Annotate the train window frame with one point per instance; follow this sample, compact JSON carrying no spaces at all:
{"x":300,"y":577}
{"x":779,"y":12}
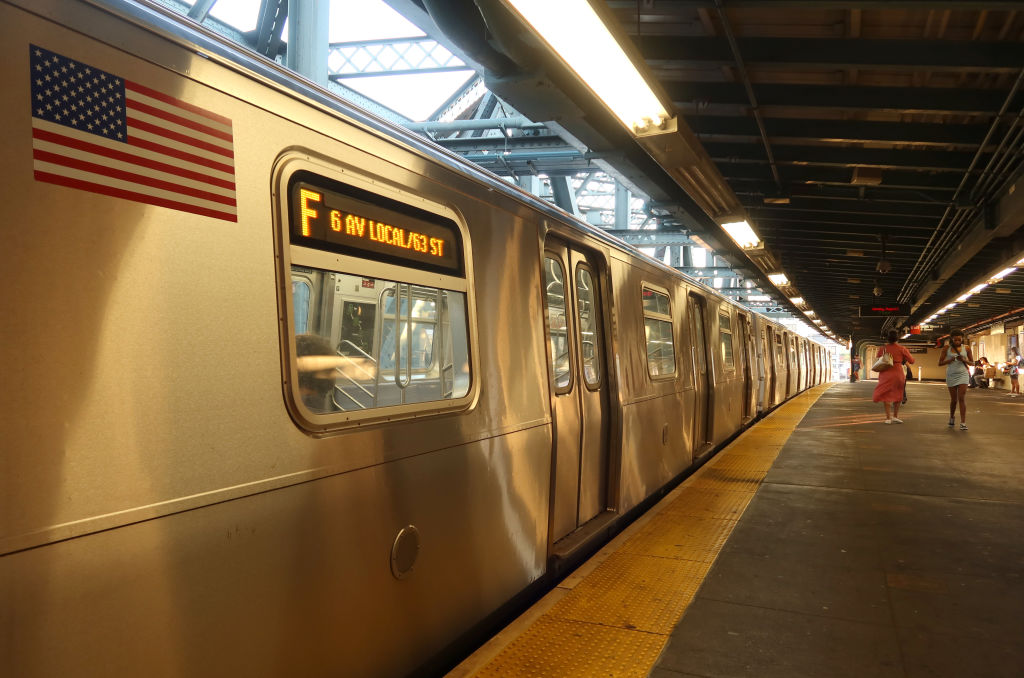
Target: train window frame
{"x":404,"y":274}
{"x":658,"y":316}
{"x":725,"y":332}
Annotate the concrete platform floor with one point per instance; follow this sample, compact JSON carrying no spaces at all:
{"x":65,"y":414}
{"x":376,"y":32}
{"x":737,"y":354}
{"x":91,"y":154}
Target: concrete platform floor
{"x":873,"y":550}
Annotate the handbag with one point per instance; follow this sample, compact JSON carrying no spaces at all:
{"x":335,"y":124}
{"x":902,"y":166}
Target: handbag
{"x":883,"y":363}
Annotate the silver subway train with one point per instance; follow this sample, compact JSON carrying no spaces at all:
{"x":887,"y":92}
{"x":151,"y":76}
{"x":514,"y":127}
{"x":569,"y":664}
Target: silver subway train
{"x":288,"y":391}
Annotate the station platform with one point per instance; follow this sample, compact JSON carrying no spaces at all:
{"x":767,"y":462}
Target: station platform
{"x":820,"y":542}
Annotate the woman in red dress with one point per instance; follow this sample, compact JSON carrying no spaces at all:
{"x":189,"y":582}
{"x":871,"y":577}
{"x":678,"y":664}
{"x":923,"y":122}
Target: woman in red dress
{"x":892,"y":381}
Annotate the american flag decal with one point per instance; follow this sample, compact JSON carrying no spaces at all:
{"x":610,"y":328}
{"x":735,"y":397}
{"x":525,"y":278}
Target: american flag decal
{"x":97,"y":132}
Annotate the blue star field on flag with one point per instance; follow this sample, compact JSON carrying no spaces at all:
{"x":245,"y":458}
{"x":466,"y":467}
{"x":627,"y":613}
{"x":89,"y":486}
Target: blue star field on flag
{"x":76,"y":95}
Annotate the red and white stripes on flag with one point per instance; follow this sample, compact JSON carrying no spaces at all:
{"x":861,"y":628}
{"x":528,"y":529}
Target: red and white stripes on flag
{"x":94,"y":131}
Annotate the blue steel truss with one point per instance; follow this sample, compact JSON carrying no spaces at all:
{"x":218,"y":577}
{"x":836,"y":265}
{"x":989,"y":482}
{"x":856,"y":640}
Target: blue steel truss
{"x":396,"y":56}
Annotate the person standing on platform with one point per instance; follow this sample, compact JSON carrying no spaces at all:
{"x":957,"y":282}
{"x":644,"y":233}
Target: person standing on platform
{"x":957,"y":357}
{"x":892,"y":382}
{"x":1014,"y":365}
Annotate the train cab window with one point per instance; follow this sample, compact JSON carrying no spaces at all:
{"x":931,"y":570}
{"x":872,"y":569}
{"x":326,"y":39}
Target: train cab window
{"x":590,"y":337}
{"x":725,"y":340}
{"x":379,"y":319}
{"x":558,"y":325}
{"x":661,"y":360}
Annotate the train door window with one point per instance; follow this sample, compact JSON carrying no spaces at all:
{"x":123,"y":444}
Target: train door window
{"x":590,"y":337}
{"x":661,"y":359}
{"x":780,"y":355}
{"x":558,"y":325}
{"x":380,"y":305}
{"x":725,"y":340}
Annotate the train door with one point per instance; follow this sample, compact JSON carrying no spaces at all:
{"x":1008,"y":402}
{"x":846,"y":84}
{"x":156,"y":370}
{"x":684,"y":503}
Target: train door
{"x":771,"y":369}
{"x":787,"y":359}
{"x":747,"y":346}
{"x":579,"y":386}
{"x":701,"y":374}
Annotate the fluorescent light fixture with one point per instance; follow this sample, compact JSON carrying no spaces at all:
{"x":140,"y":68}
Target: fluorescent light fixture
{"x":742,"y":233}
{"x":576,"y":33}
{"x":963,"y":297}
{"x":1019,"y":263}
{"x":978,"y":288}
{"x":905,"y":335}
{"x":1002,"y":274}
{"x":948,"y":306}
{"x":778,"y":279}
{"x":797,"y":301}
{"x":809,"y":313}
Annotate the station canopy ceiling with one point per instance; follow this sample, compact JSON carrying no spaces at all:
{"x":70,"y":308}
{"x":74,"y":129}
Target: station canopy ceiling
{"x":875,"y":147}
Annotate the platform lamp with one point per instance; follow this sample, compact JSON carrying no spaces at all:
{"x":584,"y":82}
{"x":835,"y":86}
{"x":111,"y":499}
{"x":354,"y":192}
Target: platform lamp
{"x":741,"y":232}
{"x":574,"y":31}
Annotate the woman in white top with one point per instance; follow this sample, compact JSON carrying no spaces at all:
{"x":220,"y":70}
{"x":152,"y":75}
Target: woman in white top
{"x":1014,"y":365}
{"x":957,"y":357}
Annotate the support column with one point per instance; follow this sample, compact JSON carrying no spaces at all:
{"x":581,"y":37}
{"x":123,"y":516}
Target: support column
{"x":621,"y":206}
{"x":565,"y":197}
{"x":529,"y":183}
{"x":308,"y":38}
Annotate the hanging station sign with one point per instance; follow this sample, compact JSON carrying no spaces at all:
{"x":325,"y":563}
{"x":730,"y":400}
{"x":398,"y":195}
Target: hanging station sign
{"x":883,"y":310}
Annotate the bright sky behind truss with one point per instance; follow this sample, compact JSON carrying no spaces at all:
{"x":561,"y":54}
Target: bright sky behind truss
{"x":415,"y":96}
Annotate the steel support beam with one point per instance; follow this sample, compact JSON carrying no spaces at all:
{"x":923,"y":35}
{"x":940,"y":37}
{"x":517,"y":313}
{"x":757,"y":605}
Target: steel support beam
{"x":199,"y":10}
{"x":919,"y":160}
{"x":652,"y":238}
{"x":840,"y":131}
{"x":830,"y":54}
{"x":810,"y":174}
{"x":270,"y":26}
{"x":479,"y":124}
{"x":895,"y":99}
{"x":564,"y":196}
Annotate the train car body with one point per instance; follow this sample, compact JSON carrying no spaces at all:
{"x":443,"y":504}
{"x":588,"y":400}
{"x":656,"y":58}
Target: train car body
{"x":182,"y":494}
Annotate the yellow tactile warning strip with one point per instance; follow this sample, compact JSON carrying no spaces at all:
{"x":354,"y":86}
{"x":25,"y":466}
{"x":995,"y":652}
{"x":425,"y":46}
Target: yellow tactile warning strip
{"x":613,"y":616}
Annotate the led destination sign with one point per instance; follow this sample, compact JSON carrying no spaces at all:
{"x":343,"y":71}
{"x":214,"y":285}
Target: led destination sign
{"x":883,"y":310}
{"x":357,"y":222}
